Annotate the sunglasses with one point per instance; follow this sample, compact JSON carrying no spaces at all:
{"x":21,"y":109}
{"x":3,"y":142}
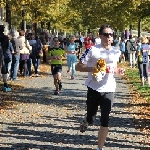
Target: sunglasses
{"x":107,"y":34}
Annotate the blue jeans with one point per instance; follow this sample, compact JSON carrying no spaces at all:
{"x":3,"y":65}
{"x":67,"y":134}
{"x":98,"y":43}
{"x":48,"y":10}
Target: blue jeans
{"x":36,"y":63}
{"x":71,"y":60}
{"x":15,"y":65}
{"x":9,"y":66}
{"x":24,"y":67}
{"x":29,"y":65}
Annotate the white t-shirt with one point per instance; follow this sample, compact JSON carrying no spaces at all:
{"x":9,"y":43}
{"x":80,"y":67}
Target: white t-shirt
{"x":111,"y":56}
{"x":97,"y":41}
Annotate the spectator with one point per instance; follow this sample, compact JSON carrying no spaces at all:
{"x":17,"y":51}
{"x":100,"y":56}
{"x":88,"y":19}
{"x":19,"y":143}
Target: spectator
{"x":143,"y":61}
{"x":131,"y":48}
{"x":24,"y":53}
{"x":10,"y":52}
{"x":122,"y":48}
{"x":4,"y":57}
{"x":35,"y":57}
{"x":15,"y":56}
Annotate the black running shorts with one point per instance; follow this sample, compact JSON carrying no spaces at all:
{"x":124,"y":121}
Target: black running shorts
{"x":56,"y":68}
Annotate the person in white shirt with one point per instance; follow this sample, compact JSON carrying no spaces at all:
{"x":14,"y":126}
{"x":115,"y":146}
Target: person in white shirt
{"x":97,"y":40}
{"x":131,"y":48}
{"x":24,"y":53}
{"x":101,"y":91}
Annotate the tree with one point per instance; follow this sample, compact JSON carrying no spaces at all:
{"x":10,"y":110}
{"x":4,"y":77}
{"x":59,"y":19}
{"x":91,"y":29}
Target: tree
{"x":82,"y":14}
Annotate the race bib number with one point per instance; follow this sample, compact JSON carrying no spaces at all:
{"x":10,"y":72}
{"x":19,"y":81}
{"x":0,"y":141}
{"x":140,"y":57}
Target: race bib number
{"x":110,"y":69}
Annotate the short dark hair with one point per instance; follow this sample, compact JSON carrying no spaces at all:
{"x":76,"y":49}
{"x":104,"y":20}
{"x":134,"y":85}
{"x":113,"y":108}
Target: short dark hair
{"x":55,"y":38}
{"x":103,"y":27}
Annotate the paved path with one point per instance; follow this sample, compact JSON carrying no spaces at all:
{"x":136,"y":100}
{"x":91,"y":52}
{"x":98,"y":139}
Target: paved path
{"x":43,"y":121}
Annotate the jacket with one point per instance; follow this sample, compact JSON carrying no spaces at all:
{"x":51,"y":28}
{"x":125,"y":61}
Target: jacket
{"x":129,"y":45}
{"x":16,"y":45}
{"x":25,"y":48}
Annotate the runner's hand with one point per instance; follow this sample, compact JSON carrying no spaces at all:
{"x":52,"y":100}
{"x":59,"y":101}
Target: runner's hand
{"x":56,"y":57}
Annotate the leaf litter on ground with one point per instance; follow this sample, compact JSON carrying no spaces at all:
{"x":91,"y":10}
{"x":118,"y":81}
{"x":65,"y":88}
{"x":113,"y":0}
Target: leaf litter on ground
{"x":140,"y":105}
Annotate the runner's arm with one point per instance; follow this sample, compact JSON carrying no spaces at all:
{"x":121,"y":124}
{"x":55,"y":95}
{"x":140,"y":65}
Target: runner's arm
{"x":83,"y":68}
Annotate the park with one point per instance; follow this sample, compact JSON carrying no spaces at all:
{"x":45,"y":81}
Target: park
{"x":32,"y":117}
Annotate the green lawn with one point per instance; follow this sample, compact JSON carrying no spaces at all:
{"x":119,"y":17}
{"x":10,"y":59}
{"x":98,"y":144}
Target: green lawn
{"x":133,"y":76}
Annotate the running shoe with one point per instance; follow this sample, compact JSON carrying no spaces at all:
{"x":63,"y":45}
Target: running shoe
{"x":72,"y":77}
{"x":93,"y":119}
{"x":83,"y":126}
{"x":68,"y":71}
{"x":56,"y":92}
{"x":37,"y":75}
{"x":7,"y":89}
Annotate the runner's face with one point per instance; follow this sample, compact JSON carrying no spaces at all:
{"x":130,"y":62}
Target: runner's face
{"x":33,"y":37}
{"x":56,"y":42}
{"x":107,"y":36}
{"x":72,"y":39}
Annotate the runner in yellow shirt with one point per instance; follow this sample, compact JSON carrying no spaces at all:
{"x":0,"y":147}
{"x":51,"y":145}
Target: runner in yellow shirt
{"x":55,"y":54}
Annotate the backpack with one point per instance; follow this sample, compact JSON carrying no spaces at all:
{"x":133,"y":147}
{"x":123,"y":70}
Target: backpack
{"x":132,"y":48}
{"x":145,"y":57}
{"x":17,"y":45}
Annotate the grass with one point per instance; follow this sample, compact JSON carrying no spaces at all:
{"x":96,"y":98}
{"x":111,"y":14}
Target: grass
{"x":133,"y":78}
{"x":140,"y":101}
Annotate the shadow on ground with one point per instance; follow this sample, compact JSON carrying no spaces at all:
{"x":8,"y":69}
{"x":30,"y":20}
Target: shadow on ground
{"x":69,"y":141}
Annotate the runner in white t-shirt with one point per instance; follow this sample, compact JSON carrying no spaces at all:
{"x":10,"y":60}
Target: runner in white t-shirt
{"x":100,"y":92}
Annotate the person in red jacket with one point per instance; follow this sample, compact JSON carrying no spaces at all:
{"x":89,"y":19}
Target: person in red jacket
{"x":88,"y":42}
